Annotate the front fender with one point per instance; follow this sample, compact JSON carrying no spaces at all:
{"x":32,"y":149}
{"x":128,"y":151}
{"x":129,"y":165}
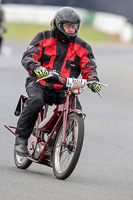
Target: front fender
{"x":79,"y":112}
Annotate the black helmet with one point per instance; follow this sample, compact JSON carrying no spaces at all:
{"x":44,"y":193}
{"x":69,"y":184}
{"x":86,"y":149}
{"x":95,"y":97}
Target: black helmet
{"x":66,"y":15}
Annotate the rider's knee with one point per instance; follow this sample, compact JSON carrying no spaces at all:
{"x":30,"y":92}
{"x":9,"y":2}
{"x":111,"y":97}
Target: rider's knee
{"x":35,"y":104}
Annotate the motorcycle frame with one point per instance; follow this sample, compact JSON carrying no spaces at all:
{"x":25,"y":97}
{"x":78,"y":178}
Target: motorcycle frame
{"x":47,"y":124}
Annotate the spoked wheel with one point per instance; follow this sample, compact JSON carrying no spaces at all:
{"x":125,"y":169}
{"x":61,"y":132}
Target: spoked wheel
{"x":21,"y":161}
{"x":65,"y":156}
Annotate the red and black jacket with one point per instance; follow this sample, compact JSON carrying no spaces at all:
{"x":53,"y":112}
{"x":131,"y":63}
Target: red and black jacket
{"x":69,"y":59}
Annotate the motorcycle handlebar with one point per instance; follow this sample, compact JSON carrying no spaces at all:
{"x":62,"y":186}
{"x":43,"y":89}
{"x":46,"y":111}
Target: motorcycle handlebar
{"x":69,"y":81}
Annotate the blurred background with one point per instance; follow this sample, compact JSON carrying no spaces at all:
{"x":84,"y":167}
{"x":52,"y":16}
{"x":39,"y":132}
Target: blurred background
{"x":105,"y":168}
{"x":102,"y":21}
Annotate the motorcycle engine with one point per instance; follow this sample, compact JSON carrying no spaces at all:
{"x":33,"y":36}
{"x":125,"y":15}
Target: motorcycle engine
{"x":38,"y":150}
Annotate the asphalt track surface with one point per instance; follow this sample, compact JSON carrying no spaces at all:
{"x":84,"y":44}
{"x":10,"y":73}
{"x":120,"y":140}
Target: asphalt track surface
{"x":105,"y":167}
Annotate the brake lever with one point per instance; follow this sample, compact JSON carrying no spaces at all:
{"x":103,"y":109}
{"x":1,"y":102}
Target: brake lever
{"x":99,"y":94}
{"x":102,"y":84}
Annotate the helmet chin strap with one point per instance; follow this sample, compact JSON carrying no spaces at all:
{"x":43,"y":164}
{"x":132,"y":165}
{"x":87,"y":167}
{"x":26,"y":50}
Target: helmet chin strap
{"x":64,"y":38}
{"x":71,"y":39}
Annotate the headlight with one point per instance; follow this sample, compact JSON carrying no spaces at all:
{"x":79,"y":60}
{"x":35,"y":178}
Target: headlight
{"x":76,"y":88}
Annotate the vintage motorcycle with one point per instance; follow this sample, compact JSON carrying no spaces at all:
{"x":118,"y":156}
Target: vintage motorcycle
{"x":57,"y":138}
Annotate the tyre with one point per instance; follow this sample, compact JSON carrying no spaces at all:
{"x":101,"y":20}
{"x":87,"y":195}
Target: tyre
{"x":21,"y":161}
{"x":65,"y":156}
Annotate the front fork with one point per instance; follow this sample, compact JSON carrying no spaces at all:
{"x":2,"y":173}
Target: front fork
{"x":68,"y":104}
{"x":65,"y":116}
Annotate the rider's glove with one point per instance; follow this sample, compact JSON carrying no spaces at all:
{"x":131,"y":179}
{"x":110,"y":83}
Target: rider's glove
{"x":41,"y":72}
{"x":94,"y":86}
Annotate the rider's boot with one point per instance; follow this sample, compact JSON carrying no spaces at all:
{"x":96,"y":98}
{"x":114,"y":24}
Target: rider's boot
{"x":21,"y":146}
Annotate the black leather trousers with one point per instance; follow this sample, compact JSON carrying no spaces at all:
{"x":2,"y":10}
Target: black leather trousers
{"x":37,"y":96}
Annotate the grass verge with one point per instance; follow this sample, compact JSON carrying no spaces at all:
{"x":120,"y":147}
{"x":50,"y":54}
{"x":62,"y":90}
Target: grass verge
{"x":26,"y":31}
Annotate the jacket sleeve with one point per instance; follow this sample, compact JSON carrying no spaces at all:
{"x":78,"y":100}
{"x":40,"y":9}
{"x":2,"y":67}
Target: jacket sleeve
{"x":88,"y":65}
{"x":32,"y":55}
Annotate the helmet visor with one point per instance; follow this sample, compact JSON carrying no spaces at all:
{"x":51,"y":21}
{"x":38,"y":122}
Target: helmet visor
{"x":69,"y":29}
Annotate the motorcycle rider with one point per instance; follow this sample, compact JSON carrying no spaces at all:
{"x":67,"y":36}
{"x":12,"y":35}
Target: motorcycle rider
{"x":58,"y":49}
{"x":2,"y":25}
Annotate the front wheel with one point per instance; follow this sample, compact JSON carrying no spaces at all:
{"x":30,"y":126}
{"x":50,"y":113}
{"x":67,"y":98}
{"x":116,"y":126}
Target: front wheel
{"x":65,"y":156}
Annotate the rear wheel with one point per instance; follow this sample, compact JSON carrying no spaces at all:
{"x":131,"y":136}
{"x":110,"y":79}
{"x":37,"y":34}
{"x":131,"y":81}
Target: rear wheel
{"x":21,"y":162}
{"x":65,"y":156}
